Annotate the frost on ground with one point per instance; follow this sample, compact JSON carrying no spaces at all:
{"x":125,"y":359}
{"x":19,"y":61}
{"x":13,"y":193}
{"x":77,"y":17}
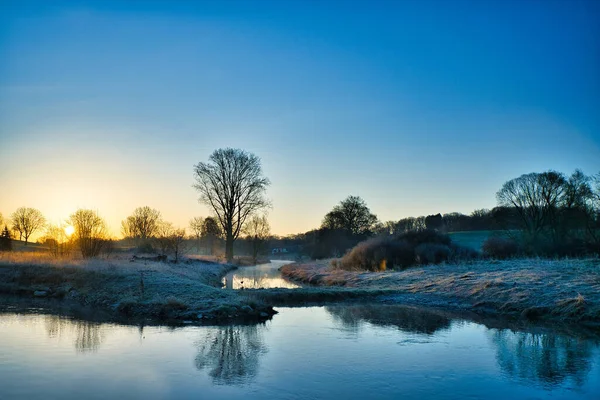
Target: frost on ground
{"x":533,"y":288}
{"x":188,"y":291}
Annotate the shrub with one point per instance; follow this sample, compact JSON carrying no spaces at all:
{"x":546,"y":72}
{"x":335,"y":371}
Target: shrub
{"x":432,"y":253}
{"x":378,"y":254}
{"x":404,"y":250}
{"x":462,"y":253}
{"x":500,"y":248}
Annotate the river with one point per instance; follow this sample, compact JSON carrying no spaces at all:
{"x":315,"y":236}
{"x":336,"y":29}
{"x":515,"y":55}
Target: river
{"x":342,"y":352}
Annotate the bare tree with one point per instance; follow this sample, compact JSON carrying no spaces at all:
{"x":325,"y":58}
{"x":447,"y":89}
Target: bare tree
{"x":171,"y":240}
{"x":26,"y":221}
{"x":232,"y":184}
{"x":353,"y":215}
{"x":196,"y":224}
{"x":178,"y":244}
{"x":536,"y":198}
{"x":1,"y":219}
{"x":57,"y":241}
{"x":142,"y":224}
{"x":90,"y":232}
{"x":164,"y":232}
{"x":257,"y":230}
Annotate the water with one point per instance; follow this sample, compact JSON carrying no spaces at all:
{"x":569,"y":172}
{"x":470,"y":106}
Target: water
{"x":341,"y":352}
{"x":259,"y":276}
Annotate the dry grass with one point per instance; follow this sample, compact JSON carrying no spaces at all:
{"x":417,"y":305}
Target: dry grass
{"x":141,"y":288}
{"x":565,"y":289}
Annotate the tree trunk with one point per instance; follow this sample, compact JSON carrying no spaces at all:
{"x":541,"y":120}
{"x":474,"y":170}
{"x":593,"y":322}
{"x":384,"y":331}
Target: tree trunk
{"x":229,"y":248}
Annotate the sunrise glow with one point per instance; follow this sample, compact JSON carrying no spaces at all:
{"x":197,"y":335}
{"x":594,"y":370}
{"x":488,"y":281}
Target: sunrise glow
{"x":69,"y":230}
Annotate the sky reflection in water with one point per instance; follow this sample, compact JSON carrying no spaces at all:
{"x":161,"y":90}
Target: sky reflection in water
{"x":358,"y":351}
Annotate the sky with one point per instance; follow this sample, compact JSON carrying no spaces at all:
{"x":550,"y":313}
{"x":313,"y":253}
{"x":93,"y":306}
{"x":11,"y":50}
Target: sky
{"x":418,"y":107}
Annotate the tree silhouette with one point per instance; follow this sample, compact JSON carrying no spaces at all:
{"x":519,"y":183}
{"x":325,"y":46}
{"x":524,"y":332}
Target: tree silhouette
{"x":26,"y":221}
{"x":142,"y":224}
{"x":211,"y":232}
{"x":5,"y":240}
{"x":232,"y":184}
{"x":90,"y":232}
{"x":196,"y":224}
{"x":257,"y":230}
{"x":352,"y":215}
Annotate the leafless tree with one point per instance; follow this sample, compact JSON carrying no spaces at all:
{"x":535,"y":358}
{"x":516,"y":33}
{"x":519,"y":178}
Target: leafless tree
{"x":535,"y":197}
{"x":257,"y":230}
{"x":142,"y":224}
{"x":179,"y":245}
{"x":164,"y":232}
{"x":171,"y":240}
{"x":1,"y":219}
{"x":57,"y":241}
{"x":26,"y":221}
{"x":90,"y":232}
{"x":231,"y":183}
{"x":196,"y":224}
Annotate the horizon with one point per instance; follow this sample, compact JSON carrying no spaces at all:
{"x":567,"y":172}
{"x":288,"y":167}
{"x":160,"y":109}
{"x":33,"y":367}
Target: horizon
{"x":109,"y":105}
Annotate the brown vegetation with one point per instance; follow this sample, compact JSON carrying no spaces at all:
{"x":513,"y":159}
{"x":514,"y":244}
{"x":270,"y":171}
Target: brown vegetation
{"x":532,"y":288}
{"x":157,"y":291}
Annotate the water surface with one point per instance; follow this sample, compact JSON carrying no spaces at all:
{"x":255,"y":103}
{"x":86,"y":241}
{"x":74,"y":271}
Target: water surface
{"x":341,"y":352}
{"x":258,"y":276}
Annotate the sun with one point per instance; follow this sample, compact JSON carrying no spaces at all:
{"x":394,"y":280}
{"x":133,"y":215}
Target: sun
{"x":69,"y":230}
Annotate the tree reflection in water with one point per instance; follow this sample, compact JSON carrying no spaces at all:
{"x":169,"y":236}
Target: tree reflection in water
{"x":231,"y":353}
{"x":87,"y":336}
{"x":407,"y":319}
{"x":546,"y":358}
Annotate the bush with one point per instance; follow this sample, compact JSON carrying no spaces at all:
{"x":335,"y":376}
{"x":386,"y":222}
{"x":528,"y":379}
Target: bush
{"x":378,"y":254}
{"x":432,"y":253}
{"x":462,"y":253}
{"x":500,"y":248}
{"x":404,"y":250}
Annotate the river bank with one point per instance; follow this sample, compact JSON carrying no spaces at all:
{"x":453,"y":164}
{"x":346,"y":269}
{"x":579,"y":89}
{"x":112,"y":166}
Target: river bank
{"x":143,"y":290}
{"x":533,"y":289}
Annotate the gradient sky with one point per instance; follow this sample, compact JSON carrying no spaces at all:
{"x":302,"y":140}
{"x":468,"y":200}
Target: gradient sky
{"x":419,"y":107}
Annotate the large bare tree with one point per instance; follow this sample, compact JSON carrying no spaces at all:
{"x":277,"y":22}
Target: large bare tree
{"x":536,"y":198}
{"x":232,"y":184}
{"x":26,"y":221}
{"x":142,"y":224}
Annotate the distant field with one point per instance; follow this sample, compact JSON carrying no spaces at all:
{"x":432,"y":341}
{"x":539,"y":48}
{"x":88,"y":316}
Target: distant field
{"x":473,"y":239}
{"x":19,"y":245}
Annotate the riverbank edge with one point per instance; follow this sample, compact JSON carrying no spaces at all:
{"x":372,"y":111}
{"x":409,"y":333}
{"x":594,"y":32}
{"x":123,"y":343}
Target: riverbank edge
{"x":325,"y":284}
{"x":75,"y":291}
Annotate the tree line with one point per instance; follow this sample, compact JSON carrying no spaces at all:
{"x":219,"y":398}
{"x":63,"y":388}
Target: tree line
{"x":546,"y":213}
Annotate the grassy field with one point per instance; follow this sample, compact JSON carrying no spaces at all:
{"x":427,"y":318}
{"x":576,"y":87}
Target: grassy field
{"x":567,"y":290}
{"x":145,"y":290}
{"x":473,"y":239}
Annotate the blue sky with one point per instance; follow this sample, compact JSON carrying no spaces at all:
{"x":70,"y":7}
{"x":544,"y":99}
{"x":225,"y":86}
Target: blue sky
{"x":418,"y":107}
